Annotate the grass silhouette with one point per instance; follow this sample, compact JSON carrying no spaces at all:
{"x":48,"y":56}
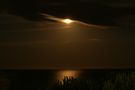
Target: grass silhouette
{"x":119,"y":81}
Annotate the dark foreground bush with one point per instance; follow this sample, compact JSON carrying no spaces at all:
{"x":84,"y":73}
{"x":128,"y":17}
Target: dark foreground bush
{"x":120,"y":81}
{"x":70,"y":83}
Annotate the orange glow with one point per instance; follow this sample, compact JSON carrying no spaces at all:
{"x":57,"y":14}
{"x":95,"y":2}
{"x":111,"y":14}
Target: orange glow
{"x":67,"y":73}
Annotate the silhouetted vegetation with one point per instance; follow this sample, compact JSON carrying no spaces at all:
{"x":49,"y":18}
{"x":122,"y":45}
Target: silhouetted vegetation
{"x":35,"y":81}
{"x":70,"y":83}
{"x":120,"y":81}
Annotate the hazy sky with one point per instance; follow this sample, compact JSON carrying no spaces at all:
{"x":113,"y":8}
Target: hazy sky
{"x":29,"y":44}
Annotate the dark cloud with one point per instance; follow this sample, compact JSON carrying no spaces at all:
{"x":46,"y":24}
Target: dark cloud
{"x":96,"y":12}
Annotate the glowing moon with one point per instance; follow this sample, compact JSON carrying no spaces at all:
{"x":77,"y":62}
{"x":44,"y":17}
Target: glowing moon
{"x":67,"y":21}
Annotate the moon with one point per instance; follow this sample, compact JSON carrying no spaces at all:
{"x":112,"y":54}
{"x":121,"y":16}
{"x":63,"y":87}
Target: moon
{"x":67,"y":21}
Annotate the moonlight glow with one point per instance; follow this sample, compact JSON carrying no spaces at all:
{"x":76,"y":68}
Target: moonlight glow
{"x":67,"y":73}
{"x":67,"y":21}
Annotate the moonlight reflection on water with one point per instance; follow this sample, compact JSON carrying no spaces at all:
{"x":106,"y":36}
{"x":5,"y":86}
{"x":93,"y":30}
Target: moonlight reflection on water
{"x":67,"y":73}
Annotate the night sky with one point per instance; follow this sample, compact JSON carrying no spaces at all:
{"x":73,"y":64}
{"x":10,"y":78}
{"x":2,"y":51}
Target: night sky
{"x":29,"y":40}
{"x":104,"y":12}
